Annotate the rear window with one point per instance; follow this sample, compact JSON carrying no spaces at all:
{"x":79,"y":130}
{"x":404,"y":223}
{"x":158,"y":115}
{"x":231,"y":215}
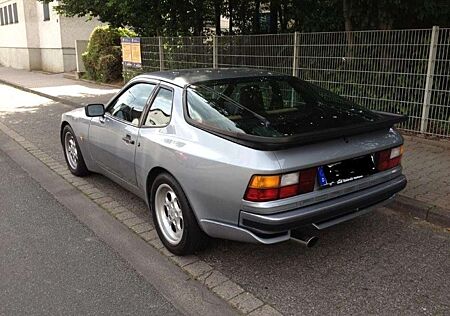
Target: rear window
{"x":271,"y":107}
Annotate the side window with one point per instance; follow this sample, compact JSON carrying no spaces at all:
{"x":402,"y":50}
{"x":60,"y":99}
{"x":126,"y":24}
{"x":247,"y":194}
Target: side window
{"x":161,"y":109}
{"x":131,"y":103}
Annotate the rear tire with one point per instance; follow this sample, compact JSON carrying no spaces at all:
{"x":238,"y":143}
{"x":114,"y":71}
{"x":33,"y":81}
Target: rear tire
{"x":174,"y":219}
{"x":72,"y":153}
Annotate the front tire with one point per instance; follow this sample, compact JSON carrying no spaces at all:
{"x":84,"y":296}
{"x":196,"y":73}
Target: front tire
{"x":72,"y":153}
{"x":174,"y":219}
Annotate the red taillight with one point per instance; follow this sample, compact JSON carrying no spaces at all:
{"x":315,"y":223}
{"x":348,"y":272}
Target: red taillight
{"x":261,"y":194}
{"x":269,"y":188}
{"x":389,"y":158}
{"x":288,"y":191}
{"x":307,"y":180}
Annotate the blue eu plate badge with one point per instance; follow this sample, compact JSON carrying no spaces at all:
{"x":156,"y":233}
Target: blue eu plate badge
{"x":321,"y":177}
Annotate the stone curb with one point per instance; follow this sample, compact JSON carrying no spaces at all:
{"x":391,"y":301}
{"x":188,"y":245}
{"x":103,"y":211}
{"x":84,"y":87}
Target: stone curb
{"x":424,"y":139}
{"x":245,"y":302}
{"x":425,"y":211}
{"x":428,"y":212}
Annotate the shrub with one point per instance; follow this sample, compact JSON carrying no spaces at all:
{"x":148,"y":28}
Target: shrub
{"x":103,"y":57}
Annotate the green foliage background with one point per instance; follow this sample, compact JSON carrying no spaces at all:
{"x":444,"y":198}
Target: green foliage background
{"x":103,"y":57}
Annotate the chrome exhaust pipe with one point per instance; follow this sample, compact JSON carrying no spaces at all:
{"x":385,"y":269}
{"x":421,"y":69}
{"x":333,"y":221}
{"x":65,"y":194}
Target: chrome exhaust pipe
{"x":307,"y":241}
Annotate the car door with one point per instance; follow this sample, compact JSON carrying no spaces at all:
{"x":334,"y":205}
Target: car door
{"x":155,"y":124}
{"x":113,"y":138}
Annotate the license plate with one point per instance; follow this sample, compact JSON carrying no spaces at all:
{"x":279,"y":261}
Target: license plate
{"x":345,"y":171}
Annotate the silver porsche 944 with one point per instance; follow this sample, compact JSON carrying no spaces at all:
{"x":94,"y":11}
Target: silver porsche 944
{"x":240,"y":154}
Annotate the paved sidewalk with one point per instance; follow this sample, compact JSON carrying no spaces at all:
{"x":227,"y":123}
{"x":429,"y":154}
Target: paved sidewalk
{"x":426,"y":162}
{"x":56,"y":87}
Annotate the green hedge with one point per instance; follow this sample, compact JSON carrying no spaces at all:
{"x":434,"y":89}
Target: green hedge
{"x":103,"y":57}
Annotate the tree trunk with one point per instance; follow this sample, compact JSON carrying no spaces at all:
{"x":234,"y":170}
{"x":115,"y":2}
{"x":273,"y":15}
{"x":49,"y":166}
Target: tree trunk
{"x":348,"y":24}
{"x":282,"y":14}
{"x":230,"y":9}
{"x":273,"y":27}
{"x":347,"y":15}
{"x":217,"y":15}
{"x":256,"y":18}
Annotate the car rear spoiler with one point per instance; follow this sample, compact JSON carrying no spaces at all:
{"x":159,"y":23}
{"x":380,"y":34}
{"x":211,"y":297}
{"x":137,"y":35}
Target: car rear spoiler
{"x":386,"y":121}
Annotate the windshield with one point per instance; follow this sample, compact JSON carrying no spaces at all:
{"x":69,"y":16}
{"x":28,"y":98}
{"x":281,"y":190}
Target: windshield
{"x":271,"y":106}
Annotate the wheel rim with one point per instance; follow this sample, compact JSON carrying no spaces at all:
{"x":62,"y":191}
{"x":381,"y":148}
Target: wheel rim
{"x":71,"y":150}
{"x":169,"y":214}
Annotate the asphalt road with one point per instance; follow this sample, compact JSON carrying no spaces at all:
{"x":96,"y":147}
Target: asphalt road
{"x":52,"y":264}
{"x":382,"y":263}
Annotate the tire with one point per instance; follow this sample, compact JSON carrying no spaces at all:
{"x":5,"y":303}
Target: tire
{"x":181,"y":236}
{"x":72,"y":153}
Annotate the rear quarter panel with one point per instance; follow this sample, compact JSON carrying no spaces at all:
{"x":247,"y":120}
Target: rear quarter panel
{"x":213,"y":172}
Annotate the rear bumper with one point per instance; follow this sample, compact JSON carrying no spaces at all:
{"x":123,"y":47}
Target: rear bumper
{"x":324,"y":213}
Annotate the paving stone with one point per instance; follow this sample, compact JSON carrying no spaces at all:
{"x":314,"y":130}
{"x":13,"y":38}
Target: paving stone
{"x":54,"y":165}
{"x":96,"y":195}
{"x":228,"y":290}
{"x":125,"y":215}
{"x":156,"y":243}
{"x":213,"y":278}
{"x":130,"y":222}
{"x":144,"y":227}
{"x":90,"y":190}
{"x":246,"y":302}
{"x":109,"y":205}
{"x":86,"y":188}
{"x":117,"y":210}
{"x":167,"y":253}
{"x":184,"y":260}
{"x":150,"y":235}
{"x":197,"y":268}
{"x":79,"y":182}
{"x":60,"y":169}
{"x":265,"y":310}
{"x":104,"y":200}
{"x":70,"y":179}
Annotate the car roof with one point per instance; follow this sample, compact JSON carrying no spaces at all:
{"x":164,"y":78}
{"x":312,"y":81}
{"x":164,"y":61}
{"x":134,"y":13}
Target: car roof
{"x":184,"y":77}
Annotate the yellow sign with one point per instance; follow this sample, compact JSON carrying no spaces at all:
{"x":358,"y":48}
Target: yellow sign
{"x":136,"y":52}
{"x":126,"y":52}
{"x":131,"y":51}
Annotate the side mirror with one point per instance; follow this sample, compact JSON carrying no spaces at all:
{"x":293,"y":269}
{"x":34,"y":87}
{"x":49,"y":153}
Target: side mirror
{"x":94,"y":110}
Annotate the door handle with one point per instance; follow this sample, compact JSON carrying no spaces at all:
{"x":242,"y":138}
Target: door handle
{"x":127,"y":139}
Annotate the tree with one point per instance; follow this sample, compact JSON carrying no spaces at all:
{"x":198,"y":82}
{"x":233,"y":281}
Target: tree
{"x":189,"y":17}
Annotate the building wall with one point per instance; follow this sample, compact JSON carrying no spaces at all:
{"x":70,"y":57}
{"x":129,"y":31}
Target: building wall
{"x":49,"y":38}
{"x":13,"y":39}
{"x":84,"y":28}
{"x":33,"y":43}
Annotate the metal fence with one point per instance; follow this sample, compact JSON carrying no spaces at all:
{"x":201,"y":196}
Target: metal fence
{"x":400,"y":71}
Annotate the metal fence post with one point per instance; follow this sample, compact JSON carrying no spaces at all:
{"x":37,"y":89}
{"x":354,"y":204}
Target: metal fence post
{"x":429,"y":80}
{"x":161,"y":54}
{"x":295,"y":55}
{"x":215,"y":49}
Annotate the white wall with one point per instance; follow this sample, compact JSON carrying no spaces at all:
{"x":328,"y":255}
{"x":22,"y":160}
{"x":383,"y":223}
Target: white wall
{"x":13,"y":40}
{"x":49,"y":38}
{"x":37,"y":44}
{"x":83,"y":27}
